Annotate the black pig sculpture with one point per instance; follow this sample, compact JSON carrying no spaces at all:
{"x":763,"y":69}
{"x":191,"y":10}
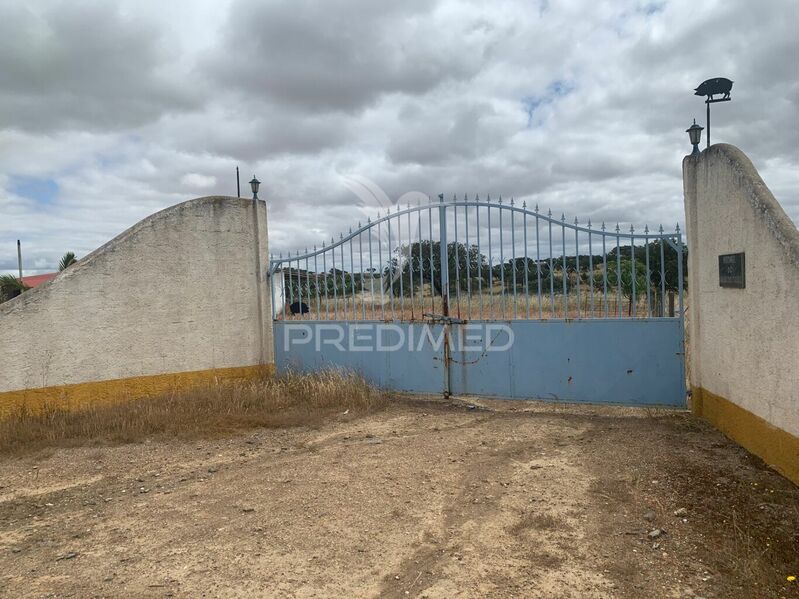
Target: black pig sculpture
{"x":717,"y":85}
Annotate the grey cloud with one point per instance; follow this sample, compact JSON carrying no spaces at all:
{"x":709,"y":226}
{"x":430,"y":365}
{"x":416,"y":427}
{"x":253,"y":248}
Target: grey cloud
{"x":253,"y":131}
{"x":338,"y":56}
{"x":84,"y":65}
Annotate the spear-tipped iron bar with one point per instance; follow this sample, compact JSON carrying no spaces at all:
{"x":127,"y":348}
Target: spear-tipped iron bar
{"x":634,"y":298}
{"x":410,"y":261}
{"x":501,"y":259}
{"x":457,"y":259}
{"x":565,"y":270}
{"x":360,"y":268}
{"x":432,"y":265}
{"x":513,"y":256}
{"x":344,"y":302}
{"x":551,"y":270}
{"x":390,"y":267}
{"x":591,"y":267}
{"x":605,"y":271}
{"x":662,"y":274}
{"x":468,"y":259}
{"x":490,"y":264}
{"x":526,"y":267}
{"x":380,"y":265}
{"x":648,"y":274}
{"x":618,"y":272}
{"x":577,"y":265}
{"x":479,"y":257}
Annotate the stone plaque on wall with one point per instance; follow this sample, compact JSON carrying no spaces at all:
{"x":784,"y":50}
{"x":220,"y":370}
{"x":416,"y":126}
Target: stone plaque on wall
{"x":732,"y":270}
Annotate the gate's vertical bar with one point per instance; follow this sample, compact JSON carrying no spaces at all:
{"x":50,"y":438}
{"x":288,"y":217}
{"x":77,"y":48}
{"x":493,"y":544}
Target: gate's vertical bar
{"x":360,"y":267}
{"x":272,"y":271}
{"x":501,"y":258}
{"x":591,"y":267}
{"x":442,"y":231}
{"x":551,"y":269}
{"x":335,"y":278}
{"x":316,"y":284}
{"x":662,"y":274}
{"x":352,"y":280}
{"x":327,"y":282}
{"x":490,"y":263}
{"x":468,"y":257}
{"x":513,"y":254}
{"x":479,"y":254}
{"x":400,"y":265}
{"x":633,"y":273}
{"x":371,"y":267}
{"x":286,"y":281}
{"x":526,"y":265}
{"x":390,"y":265}
{"x":618,"y":271}
{"x":605,"y":269}
{"x":577,"y":263}
{"x":442,"y":217}
{"x":432,"y":264}
{"x":538,"y":265}
{"x":410,"y":259}
{"x":457,"y":255}
{"x":343,"y":277}
{"x":421,"y":258}
{"x":299,"y":285}
{"x":288,"y":286}
{"x":380,"y":264}
{"x":565,"y":269}
{"x":307,"y":285}
{"x":648,"y":275}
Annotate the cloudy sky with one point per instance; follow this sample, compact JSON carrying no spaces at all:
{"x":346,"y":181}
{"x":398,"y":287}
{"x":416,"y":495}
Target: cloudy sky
{"x":111,"y":110}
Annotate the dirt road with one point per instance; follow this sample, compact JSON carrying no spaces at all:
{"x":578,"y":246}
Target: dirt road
{"x":423,"y":499}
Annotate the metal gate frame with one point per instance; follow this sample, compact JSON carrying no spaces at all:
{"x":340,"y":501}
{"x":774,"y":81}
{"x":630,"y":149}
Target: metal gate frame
{"x":592,"y":352}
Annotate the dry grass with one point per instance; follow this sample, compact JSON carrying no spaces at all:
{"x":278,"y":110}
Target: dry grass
{"x":491,"y":306}
{"x":285,"y":401}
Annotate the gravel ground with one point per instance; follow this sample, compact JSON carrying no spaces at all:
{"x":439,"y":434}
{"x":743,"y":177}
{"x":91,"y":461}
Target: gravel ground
{"x":426,"y":498}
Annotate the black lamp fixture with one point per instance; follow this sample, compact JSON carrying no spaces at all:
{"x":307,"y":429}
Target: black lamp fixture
{"x":695,"y":134}
{"x":254,"y":185}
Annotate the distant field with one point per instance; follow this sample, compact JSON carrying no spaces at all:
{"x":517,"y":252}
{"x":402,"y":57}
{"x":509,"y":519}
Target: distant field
{"x":490,"y":306}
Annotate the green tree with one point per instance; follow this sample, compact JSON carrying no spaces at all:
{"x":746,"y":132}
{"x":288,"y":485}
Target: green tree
{"x":417,"y":259}
{"x":632,"y":287}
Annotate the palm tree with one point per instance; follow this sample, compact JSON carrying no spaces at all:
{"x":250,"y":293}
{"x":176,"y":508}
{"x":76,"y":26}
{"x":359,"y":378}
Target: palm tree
{"x":67,"y":260}
{"x":10,"y":287}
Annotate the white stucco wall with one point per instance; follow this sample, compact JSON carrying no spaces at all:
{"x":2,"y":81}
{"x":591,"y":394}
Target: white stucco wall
{"x":177,"y":292}
{"x":743,"y":344}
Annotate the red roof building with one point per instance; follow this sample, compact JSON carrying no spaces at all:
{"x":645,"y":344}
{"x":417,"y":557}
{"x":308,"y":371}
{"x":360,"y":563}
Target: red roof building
{"x":36,"y":280}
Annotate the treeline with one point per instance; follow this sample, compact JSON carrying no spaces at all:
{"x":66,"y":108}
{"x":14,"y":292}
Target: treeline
{"x":470,"y":270}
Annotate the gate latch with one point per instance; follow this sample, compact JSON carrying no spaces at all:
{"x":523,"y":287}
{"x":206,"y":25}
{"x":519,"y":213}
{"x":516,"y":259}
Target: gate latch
{"x":441,"y":319}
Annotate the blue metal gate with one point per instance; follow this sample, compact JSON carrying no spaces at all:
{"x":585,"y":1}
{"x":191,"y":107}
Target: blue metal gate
{"x":489,"y":298}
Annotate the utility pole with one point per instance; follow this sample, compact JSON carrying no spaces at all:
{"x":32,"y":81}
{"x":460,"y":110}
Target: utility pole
{"x":238,"y":184}
{"x":19,"y":258}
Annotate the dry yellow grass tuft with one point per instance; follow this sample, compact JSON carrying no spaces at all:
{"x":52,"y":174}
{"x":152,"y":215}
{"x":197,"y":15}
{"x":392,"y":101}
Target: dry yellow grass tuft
{"x":285,"y":401}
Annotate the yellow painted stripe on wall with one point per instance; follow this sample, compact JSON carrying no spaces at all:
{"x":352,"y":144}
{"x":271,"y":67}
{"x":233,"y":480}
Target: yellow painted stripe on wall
{"x":98,"y":392}
{"x":778,"y":448}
